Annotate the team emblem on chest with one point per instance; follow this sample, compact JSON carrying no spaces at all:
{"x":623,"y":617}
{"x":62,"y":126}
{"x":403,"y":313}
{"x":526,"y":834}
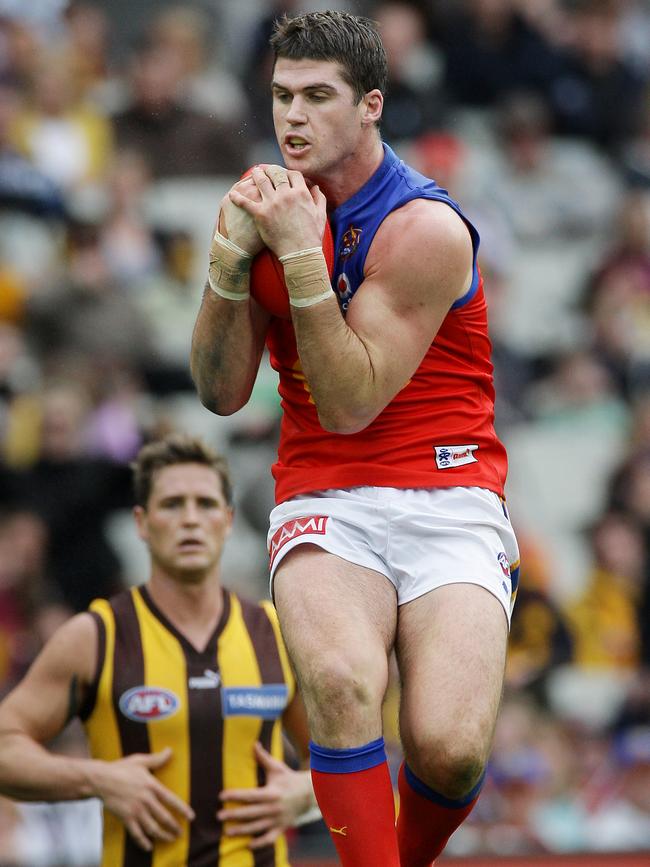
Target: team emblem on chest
{"x":349,"y":242}
{"x":148,"y":703}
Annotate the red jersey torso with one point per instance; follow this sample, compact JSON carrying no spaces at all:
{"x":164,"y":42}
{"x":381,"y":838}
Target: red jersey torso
{"x":438,"y":431}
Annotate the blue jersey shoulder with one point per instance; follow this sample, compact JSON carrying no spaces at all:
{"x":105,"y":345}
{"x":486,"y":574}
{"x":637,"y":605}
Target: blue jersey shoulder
{"x":355,"y":222}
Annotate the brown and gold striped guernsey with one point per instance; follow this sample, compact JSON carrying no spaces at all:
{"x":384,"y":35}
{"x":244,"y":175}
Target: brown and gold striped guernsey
{"x":153,"y":689}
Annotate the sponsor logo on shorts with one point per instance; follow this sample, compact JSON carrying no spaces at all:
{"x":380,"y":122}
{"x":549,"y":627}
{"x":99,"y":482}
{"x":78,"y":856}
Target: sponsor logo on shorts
{"x":266,"y":702}
{"x":504,"y":563}
{"x":454,"y":456}
{"x":148,"y":703}
{"x":313,"y":525}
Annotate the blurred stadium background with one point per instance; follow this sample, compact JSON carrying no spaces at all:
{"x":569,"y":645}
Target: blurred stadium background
{"x":121,"y":125}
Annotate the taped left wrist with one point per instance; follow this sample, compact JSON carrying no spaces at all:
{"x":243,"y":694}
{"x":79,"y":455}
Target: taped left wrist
{"x":306,"y":277}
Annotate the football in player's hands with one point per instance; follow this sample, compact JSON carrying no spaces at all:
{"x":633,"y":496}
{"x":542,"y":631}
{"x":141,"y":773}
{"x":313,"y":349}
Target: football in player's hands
{"x":267,"y":284}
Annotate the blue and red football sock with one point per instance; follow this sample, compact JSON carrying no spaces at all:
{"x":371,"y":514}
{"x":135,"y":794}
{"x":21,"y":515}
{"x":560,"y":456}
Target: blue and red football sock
{"x":355,"y":795}
{"x":427,"y":819}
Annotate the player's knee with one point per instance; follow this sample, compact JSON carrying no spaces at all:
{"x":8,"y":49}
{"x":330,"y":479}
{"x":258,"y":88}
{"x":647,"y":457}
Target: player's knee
{"x":337,"y":688}
{"x":458,"y":773}
{"x":452,"y":769}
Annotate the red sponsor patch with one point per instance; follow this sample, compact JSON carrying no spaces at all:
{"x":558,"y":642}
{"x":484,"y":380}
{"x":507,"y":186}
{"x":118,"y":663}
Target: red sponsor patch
{"x":312,"y":525}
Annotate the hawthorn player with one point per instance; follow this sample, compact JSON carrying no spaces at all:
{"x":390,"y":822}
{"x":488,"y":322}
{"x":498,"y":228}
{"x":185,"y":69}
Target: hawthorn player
{"x":183,"y":688}
{"x":390,"y":529}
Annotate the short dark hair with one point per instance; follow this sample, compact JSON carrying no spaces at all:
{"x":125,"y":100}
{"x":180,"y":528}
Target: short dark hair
{"x":351,"y":40}
{"x":176,"y":448}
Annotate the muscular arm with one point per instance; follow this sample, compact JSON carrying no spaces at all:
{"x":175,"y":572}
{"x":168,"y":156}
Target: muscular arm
{"x":228,"y":338}
{"x":227,"y":346}
{"x":38,"y":709}
{"x":419,"y":263}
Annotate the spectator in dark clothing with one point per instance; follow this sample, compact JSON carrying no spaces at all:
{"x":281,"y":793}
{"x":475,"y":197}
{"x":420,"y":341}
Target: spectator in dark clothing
{"x":176,"y":139}
{"x":73,"y":493}
{"x":258,"y":69}
{"x":490,"y":51}
{"x":540,"y":639}
{"x":599,"y":95}
{"x":91,"y":312}
{"x":416,"y":100}
{"x":617,"y":298}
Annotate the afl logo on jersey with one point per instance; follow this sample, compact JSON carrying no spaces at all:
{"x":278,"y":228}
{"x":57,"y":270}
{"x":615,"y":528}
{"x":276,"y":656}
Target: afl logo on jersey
{"x":349,"y":242}
{"x":148,"y":703}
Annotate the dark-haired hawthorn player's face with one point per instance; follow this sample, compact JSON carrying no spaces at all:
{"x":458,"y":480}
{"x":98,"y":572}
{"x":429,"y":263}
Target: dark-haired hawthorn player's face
{"x":186,"y":521}
{"x":317,"y":123}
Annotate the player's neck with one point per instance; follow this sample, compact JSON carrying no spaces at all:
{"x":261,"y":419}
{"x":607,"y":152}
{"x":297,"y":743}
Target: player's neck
{"x":353,"y":172}
{"x":193,"y":608}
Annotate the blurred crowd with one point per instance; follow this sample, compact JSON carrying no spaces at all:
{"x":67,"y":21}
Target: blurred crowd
{"x":121,"y":126}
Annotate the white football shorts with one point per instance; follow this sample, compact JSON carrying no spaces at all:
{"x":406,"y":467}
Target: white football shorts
{"x":419,"y":538}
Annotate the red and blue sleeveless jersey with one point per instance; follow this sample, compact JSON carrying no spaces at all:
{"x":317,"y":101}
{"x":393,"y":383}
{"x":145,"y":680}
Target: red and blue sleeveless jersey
{"x":438,"y":431}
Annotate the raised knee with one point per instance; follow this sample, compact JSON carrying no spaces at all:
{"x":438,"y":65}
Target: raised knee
{"x":335,"y":682}
{"x":336,"y":690}
{"x":452,"y":770}
{"x":458,"y":774}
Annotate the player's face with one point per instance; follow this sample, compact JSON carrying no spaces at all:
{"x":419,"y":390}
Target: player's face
{"x":186,"y":521}
{"x":317,"y":123}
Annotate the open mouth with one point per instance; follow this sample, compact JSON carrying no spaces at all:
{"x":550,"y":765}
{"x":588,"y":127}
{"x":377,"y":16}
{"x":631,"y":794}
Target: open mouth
{"x":295,"y":143}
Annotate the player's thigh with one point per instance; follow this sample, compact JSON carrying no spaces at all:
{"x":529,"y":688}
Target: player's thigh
{"x":337,"y":617}
{"x":451,"y":649}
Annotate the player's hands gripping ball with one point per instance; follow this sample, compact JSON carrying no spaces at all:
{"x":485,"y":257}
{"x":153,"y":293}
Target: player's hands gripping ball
{"x":267,"y":284}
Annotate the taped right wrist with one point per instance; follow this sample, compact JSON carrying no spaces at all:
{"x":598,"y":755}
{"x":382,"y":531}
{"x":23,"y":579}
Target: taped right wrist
{"x":229,"y":271}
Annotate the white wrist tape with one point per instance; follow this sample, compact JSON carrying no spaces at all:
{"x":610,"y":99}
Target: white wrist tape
{"x":229,"y":271}
{"x":306,"y":276}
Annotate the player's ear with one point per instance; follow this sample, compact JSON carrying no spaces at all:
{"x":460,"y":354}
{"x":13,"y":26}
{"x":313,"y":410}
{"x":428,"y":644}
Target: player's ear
{"x":373,"y":104}
{"x":140,"y":517}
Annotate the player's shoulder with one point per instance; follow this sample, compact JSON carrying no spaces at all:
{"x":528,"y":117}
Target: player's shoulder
{"x":423,"y":219}
{"x":78,"y":629}
{"x":73,"y":646}
{"x":107,"y":612}
{"x":422,"y":237}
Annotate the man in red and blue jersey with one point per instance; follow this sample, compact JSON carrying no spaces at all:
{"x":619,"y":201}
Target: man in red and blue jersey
{"x":390,"y":530}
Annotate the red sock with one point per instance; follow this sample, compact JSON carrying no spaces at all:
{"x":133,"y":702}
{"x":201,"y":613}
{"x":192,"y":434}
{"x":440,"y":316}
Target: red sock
{"x":426,"y":819}
{"x":355,"y":795}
